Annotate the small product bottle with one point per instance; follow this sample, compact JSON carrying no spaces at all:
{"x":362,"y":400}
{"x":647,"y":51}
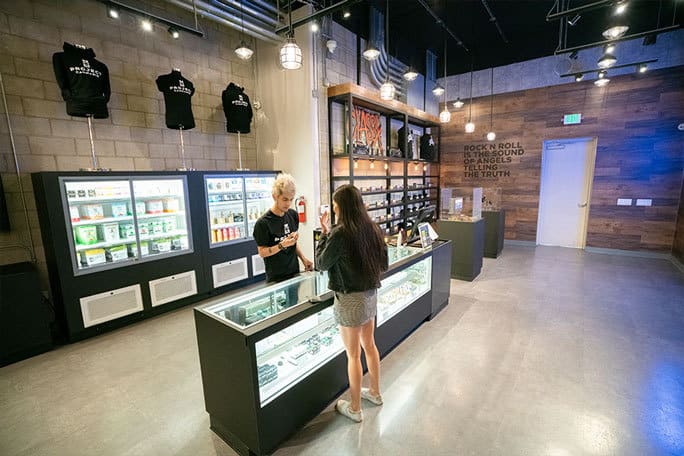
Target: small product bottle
{"x":226,"y":234}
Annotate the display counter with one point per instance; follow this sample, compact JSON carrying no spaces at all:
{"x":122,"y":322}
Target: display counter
{"x":271,"y":356}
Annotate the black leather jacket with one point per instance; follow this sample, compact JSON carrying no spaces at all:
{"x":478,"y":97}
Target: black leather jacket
{"x":344,"y":272}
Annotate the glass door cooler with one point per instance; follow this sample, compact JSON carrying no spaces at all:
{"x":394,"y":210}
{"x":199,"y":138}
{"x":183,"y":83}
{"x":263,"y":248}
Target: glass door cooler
{"x":258,"y":191}
{"x":226,"y":208}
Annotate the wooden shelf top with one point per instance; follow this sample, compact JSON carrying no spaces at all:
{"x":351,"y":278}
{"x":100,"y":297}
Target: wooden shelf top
{"x":372,"y":96}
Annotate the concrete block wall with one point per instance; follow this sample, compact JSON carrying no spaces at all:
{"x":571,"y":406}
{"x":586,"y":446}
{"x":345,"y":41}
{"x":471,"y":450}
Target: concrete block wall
{"x":134,"y":137}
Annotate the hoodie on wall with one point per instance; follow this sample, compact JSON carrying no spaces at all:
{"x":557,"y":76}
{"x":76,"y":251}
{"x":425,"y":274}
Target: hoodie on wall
{"x":237,"y":108}
{"x":177,"y":94}
{"x":84,"y":81}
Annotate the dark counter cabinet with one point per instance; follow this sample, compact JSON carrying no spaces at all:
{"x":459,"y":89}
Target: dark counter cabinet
{"x":495,"y":224}
{"x":467,"y":239}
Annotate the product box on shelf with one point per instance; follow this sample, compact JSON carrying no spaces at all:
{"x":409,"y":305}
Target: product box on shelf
{"x":154,"y":206}
{"x":139,"y":208}
{"x":160,"y":245}
{"x":126,"y":230}
{"x":171,"y":204}
{"x":116,"y":253}
{"x":156,"y":227}
{"x":73,"y":214}
{"x":168,"y":225}
{"x":91,"y":211}
{"x":108,"y":232}
{"x":93,"y":256}
{"x":117,"y":209}
{"x":86,"y":234}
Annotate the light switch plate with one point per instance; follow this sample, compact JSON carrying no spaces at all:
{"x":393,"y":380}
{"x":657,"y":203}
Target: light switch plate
{"x":643,"y":202}
{"x":624,"y":201}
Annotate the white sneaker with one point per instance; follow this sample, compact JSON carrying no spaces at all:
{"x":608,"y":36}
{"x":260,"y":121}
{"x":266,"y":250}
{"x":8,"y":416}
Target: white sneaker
{"x":367,"y":395}
{"x":344,"y":407}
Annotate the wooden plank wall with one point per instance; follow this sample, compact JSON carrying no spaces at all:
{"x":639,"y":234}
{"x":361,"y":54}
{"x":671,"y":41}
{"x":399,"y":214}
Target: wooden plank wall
{"x":678,"y":248}
{"x":640,"y":154}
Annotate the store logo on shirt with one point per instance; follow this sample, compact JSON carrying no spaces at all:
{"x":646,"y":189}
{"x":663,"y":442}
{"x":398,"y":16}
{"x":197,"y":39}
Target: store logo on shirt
{"x":180,"y":88}
{"x":240,"y":101}
{"x":85,"y":69}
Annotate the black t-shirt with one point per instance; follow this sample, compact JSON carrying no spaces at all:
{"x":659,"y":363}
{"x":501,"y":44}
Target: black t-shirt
{"x":177,"y":93}
{"x":269,"y":230}
{"x":237,"y":109}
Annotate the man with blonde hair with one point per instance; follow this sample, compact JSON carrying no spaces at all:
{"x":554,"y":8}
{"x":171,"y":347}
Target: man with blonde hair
{"x":276,"y":233}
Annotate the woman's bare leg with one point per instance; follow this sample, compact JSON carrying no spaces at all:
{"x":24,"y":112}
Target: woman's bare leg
{"x":372,"y":355}
{"x":351,"y":339}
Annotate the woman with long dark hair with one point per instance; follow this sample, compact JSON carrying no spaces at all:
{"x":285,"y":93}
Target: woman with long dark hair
{"x":355,"y":256}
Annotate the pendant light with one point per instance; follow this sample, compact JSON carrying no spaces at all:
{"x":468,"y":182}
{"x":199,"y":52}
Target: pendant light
{"x":615,"y":32}
{"x":410,"y":75}
{"x":243,"y":51}
{"x":290,"y":53}
{"x":445,"y":115}
{"x":438,"y":90}
{"x":387,"y":89}
{"x":607,"y":60}
{"x":458,"y":104}
{"x":470,"y":126}
{"x":491,"y":136}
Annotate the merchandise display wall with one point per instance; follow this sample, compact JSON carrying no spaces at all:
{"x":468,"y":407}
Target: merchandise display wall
{"x":135,"y":136}
{"x":274,"y":350}
{"x":638,"y":155}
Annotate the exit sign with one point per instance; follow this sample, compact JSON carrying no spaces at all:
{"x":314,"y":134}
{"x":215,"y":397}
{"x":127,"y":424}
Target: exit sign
{"x":572,"y":119}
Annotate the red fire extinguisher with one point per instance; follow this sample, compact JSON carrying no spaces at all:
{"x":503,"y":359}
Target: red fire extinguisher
{"x":301,"y":209}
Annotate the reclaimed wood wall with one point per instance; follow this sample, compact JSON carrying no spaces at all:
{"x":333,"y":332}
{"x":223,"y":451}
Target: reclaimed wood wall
{"x":640,"y":154}
{"x":678,"y":248}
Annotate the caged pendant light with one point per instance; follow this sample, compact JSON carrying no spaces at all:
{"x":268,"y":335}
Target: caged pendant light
{"x":470,"y":126}
{"x":243,"y":50}
{"x":458,"y":104}
{"x":491,"y":136}
{"x":445,"y":115}
{"x":290,"y":53}
{"x":387,"y":90}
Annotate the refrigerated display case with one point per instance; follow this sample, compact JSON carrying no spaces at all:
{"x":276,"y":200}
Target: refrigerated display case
{"x":114,"y":221}
{"x":275,"y":350}
{"x":258,"y":191}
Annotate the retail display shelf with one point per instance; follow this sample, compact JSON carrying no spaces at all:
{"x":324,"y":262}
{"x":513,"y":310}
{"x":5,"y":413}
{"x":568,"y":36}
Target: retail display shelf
{"x":369,"y":157}
{"x":265,"y":198}
{"x":151,"y":237}
{"x":221,"y":192}
{"x":376,"y":208}
{"x":154,"y":197}
{"x":98,"y":199}
{"x":420,"y":176}
{"x":100,"y":245}
{"x":226,"y":225}
{"x":102,"y":220}
{"x":160,"y":214}
{"x":226,"y":203}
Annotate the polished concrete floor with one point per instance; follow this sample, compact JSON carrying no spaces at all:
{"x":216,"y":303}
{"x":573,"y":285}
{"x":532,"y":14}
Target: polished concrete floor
{"x":549,"y":351}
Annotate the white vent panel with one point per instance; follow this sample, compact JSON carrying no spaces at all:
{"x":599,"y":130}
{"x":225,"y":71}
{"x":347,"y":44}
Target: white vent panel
{"x":258,"y":266}
{"x":111,"y":305}
{"x":229,"y":272}
{"x":173,"y":288}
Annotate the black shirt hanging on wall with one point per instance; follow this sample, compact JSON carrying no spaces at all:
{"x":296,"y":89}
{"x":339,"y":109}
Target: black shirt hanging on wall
{"x":269,"y":230}
{"x":237,"y":108}
{"x":177,"y":94}
{"x":83,"y":80}
{"x":427,"y":147}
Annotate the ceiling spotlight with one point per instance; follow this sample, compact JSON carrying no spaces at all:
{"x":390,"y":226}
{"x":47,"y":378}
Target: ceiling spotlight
{"x":574,"y":20}
{"x":491,"y":136}
{"x":606,"y":61}
{"x":615,"y":32}
{"x":610,"y":48}
{"x":244,"y":51}
{"x":620,"y":7}
{"x":113,"y":11}
{"x":314,"y":26}
{"x":579,"y":77}
{"x":642,"y":68}
{"x":146,"y":25}
{"x":346,"y":15}
{"x":410,"y":75}
{"x":371,"y":52}
{"x":602,"y":82}
{"x":173,"y":31}
{"x":438,"y":90}
{"x":458,"y":104}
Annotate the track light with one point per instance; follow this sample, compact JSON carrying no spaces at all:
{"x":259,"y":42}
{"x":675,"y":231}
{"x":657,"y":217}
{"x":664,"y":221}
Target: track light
{"x":314,"y":26}
{"x":410,"y":75}
{"x":615,"y":32}
{"x":602,"y":82}
{"x":173,"y":31}
{"x":438,"y":90}
{"x":458,"y":104}
{"x":346,"y":15}
{"x":146,"y":25}
{"x":642,"y":68}
{"x":579,"y":77}
{"x":620,"y":7}
{"x":371,"y":52}
{"x":606,"y":61}
{"x":112,"y":11}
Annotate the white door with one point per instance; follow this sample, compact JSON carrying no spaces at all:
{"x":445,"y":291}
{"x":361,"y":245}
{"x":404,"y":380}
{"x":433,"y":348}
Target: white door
{"x":566,"y":177}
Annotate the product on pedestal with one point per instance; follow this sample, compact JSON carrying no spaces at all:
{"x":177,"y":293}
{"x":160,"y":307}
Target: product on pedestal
{"x":83,"y":80}
{"x":177,"y":94}
{"x":237,"y":108}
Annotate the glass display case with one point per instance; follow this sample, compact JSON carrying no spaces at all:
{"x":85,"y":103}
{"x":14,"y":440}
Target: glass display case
{"x":234,"y":204}
{"x":114,"y":221}
{"x":400,"y":290}
{"x":461,"y":203}
{"x":491,"y":198}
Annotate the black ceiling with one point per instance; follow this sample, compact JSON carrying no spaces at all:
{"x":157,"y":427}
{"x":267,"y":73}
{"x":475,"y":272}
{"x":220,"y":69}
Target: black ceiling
{"x":523,"y":23}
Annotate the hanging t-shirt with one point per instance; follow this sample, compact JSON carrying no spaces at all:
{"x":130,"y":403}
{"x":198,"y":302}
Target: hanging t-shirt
{"x":83,"y":80}
{"x":269,"y":230}
{"x":237,"y":109}
{"x":177,"y":94}
{"x":427,"y":147}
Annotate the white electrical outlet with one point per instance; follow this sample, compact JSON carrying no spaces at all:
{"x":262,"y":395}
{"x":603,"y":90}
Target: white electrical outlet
{"x":624,"y":201}
{"x":643,"y":202}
